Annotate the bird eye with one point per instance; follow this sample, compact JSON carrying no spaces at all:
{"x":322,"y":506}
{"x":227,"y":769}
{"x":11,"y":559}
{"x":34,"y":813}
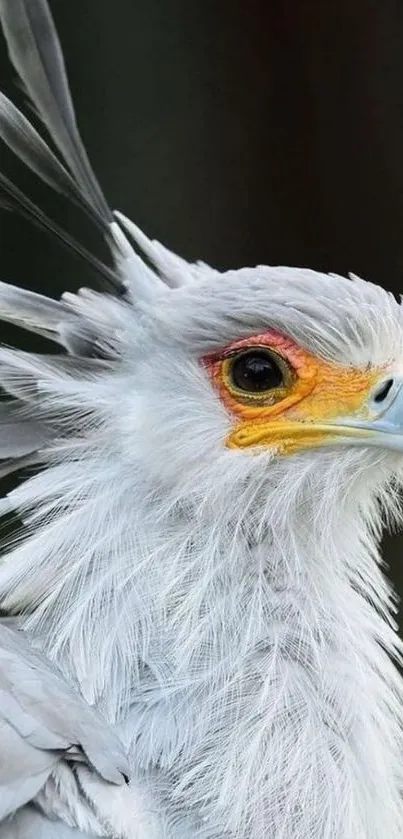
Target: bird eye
{"x":256,"y":371}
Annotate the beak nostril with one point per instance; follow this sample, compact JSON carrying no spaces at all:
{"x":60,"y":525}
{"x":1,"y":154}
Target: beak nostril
{"x":383,"y":391}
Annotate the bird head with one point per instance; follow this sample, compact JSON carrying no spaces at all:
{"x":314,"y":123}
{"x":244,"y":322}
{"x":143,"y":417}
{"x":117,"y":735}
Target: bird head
{"x":263,"y":377}
{"x":275,"y":380}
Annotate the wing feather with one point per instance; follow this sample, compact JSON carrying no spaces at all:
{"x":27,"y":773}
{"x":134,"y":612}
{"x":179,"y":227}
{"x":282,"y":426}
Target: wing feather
{"x":41,"y":719}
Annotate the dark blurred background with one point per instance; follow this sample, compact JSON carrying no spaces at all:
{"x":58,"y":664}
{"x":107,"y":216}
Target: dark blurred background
{"x":239,"y":133}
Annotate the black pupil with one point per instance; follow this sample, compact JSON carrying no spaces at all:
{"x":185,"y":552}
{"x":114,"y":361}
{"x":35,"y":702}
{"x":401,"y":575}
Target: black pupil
{"x":256,"y":371}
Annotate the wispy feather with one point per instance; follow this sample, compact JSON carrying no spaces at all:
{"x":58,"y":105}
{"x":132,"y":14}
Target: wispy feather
{"x":35,"y":51}
{"x":15,"y":199}
{"x":25,"y":141}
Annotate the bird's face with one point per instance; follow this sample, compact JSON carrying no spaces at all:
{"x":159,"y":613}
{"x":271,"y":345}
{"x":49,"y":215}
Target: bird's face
{"x":284,"y":397}
{"x":276,"y":370}
{"x":274,"y":378}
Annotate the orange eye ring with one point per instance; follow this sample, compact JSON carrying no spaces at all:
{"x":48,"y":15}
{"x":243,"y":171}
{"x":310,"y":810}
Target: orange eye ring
{"x":307,"y":393}
{"x":298,"y":376}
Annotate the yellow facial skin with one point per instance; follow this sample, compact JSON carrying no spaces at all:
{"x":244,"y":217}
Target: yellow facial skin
{"x":298,"y":414}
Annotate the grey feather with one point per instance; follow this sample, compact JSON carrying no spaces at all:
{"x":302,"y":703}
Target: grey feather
{"x":35,"y":51}
{"x":10,"y":465}
{"x":31,"y":311}
{"x":29,"y":823}
{"x":25,"y":430}
{"x":21,"y":438}
{"x":65,"y":322}
{"x":23,"y":139}
{"x":41,"y":719}
{"x":19,"y":435}
{"x":21,"y":370}
{"x":15,"y":199}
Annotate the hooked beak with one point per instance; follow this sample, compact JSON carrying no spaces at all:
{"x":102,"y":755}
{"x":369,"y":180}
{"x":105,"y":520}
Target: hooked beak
{"x":383,"y":425}
{"x":378,"y":422}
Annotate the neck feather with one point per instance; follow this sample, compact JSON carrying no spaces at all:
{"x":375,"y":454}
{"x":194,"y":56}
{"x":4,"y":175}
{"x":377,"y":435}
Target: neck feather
{"x":272,"y":699}
{"x":251,"y":665}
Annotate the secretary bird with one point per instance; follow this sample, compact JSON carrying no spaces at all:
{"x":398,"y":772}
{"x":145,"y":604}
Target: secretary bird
{"x":198,"y":641}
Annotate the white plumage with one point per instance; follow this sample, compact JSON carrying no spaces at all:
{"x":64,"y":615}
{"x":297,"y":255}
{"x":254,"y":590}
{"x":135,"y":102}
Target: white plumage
{"x":219,"y":602}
